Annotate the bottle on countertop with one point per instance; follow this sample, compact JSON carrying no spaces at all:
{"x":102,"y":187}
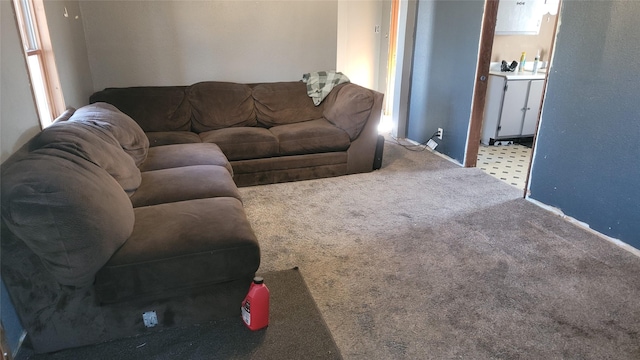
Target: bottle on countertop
{"x":523,"y":59}
{"x":536,"y":63}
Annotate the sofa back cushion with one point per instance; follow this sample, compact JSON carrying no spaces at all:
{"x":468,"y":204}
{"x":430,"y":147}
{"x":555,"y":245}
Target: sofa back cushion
{"x":217,"y":105}
{"x":93,"y":144}
{"x":284,"y":103}
{"x":349,"y":108}
{"x":69,"y":211}
{"x":123,"y":128}
{"x":154,"y":108}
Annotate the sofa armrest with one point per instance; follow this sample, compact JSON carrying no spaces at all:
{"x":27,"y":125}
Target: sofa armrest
{"x":349,"y":108}
{"x":357,"y":111}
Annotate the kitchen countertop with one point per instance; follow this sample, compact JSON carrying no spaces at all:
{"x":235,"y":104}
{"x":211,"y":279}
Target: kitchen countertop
{"x":524,"y":75}
{"x":494,"y":69}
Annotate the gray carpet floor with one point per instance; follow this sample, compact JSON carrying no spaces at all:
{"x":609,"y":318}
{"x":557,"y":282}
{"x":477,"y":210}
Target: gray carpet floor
{"x":423,"y":259}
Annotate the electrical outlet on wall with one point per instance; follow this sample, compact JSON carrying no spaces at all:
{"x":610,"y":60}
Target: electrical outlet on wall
{"x":150,"y":319}
{"x":439,"y":135}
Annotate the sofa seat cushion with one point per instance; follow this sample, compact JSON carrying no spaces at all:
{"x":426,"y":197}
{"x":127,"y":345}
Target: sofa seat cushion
{"x":159,"y":138}
{"x":154,"y":108}
{"x":284,"y":103}
{"x":68,"y":211}
{"x":93,"y":144}
{"x":179,"y":155}
{"x":184,"y":183}
{"x":239,"y":143}
{"x":218,"y":105}
{"x":178,"y":246}
{"x":129,"y":134}
{"x":315,"y":136}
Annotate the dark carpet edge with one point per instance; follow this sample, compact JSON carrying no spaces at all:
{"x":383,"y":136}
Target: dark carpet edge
{"x":180,"y":342}
{"x":324,"y":322}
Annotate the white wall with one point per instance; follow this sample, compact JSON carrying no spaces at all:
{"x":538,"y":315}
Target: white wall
{"x":135,"y":43}
{"x":383,"y":51}
{"x":18,"y":117}
{"x":69,"y":47}
{"x":404,"y":62}
{"x":359,"y":45}
{"x":18,"y":123}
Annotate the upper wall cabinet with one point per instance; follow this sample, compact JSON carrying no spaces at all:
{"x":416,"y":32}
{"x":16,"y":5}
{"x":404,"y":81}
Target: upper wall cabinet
{"x":519,"y":17}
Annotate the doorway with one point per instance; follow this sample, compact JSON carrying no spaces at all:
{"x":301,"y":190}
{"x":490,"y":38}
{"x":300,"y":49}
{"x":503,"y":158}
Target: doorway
{"x":508,"y":157}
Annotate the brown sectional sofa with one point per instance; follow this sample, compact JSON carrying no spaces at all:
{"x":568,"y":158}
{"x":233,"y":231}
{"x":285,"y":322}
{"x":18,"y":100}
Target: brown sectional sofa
{"x":270,"y":132}
{"x":105,"y":218}
{"x":97,"y":230}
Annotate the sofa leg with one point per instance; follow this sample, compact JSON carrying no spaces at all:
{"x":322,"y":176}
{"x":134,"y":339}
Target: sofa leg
{"x":377,"y":160}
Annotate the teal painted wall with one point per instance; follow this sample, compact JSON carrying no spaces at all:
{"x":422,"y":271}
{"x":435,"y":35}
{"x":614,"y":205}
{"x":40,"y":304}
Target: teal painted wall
{"x":587,"y":158}
{"x":444,"y":66}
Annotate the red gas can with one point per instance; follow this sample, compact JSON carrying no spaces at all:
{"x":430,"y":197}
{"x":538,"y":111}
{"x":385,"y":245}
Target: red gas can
{"x":255,"y":306}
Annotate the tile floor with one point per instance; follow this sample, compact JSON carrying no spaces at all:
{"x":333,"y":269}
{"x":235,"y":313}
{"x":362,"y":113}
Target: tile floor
{"x":508,"y":163}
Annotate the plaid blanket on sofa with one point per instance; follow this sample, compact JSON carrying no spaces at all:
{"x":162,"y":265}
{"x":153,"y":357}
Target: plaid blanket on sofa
{"x":319,"y":84}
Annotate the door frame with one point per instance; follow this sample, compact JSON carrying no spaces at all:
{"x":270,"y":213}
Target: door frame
{"x":482,"y":76}
{"x":480,"y":91}
{"x":552,"y":50}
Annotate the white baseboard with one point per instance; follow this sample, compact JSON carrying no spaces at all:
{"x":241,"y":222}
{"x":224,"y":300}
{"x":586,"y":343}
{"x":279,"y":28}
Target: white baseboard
{"x":432,"y":151}
{"x":586,"y":226}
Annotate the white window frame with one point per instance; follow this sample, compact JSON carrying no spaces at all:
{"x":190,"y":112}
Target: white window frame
{"x":41,"y":65}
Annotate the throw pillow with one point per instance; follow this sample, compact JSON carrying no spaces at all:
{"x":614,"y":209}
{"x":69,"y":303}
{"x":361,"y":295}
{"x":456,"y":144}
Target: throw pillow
{"x":94,"y":144}
{"x":123,"y":128}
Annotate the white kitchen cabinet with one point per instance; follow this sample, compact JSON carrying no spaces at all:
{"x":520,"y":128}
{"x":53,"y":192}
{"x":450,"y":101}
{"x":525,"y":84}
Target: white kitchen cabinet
{"x":519,"y":17}
{"x":512,"y":107}
{"x":534,"y":99}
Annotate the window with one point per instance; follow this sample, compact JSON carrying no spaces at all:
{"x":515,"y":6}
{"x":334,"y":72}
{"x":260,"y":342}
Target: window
{"x":45,"y":84}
